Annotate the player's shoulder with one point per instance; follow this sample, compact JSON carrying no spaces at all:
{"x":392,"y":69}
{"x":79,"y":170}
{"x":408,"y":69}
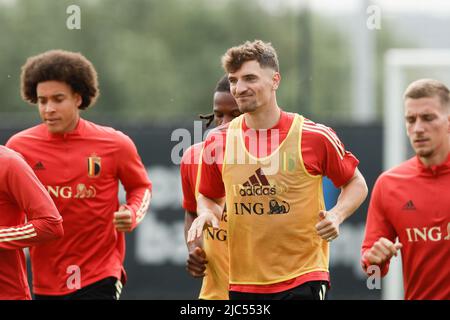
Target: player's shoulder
{"x":317,"y":134}
{"x":315,"y":130}
{"x":193,"y":152}
{"x":404,"y":171}
{"x":33,"y":133}
{"x":194,"y":149}
{"x":9,"y":157}
{"x":398,"y":176}
{"x":91,"y":127}
{"x":7,"y":153}
{"x":218,"y":133}
{"x":223,"y":128}
{"x":105,"y":132}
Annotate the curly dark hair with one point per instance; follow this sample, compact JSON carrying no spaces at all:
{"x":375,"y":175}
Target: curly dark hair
{"x":258,"y":50}
{"x":59,"y":65}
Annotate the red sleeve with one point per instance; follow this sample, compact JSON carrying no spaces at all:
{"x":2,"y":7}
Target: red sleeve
{"x":377,"y":224}
{"x":211,"y":184}
{"x":44,"y":222}
{"x":324,"y":154}
{"x":188,"y":172}
{"x":133,"y":175}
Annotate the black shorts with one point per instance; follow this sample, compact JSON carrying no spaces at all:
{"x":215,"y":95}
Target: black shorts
{"x":106,"y":289}
{"x":312,"y":290}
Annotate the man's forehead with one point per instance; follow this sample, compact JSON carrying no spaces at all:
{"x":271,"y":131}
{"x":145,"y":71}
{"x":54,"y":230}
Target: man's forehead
{"x":53,"y":94}
{"x":421,"y":110}
{"x":426,"y":104}
{"x":248,"y":67}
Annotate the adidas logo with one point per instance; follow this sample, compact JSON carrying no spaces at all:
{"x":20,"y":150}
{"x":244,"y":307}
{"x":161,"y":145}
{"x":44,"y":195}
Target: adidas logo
{"x":257,"y":185}
{"x":253,"y":180}
{"x":39,"y":166}
{"x":409,"y":206}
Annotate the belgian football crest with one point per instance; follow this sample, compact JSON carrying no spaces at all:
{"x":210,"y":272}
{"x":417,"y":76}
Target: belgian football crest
{"x":94,"y":166}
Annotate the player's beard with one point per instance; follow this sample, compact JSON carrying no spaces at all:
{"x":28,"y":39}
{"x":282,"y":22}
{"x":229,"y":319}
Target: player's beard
{"x":424,"y":153}
{"x":249,"y":106}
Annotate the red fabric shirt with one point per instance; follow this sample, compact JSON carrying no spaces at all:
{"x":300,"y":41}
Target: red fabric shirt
{"x":188,"y":172}
{"x":322,"y":152}
{"x":81,"y":171}
{"x":410,"y":202}
{"x":21,"y":194}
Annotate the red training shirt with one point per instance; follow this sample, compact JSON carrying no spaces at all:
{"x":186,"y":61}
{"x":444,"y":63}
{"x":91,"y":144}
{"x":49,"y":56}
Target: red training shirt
{"x":81,"y":171}
{"x":188,"y":172}
{"x":21,"y":194}
{"x":410,"y":202}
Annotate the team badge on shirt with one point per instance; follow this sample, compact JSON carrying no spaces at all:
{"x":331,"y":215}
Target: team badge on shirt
{"x":94,"y":166}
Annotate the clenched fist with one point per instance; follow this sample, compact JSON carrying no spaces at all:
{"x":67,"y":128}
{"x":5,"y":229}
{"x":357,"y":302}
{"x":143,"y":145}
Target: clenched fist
{"x":328,"y":226}
{"x":123,"y":219}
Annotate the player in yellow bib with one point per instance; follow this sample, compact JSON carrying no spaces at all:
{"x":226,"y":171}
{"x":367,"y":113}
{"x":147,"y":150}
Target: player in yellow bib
{"x":208,"y":259}
{"x":267,"y":166}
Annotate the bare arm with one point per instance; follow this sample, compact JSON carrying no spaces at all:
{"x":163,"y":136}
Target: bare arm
{"x":196,"y":261}
{"x":189,"y":218}
{"x":352,"y":195}
{"x":209,"y":205}
{"x":209,"y":212}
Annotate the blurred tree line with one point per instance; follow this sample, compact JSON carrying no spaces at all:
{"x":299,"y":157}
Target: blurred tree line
{"x":159,"y":60}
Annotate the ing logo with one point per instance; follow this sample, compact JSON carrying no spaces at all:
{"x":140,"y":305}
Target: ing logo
{"x":66,"y":192}
{"x":85,"y":192}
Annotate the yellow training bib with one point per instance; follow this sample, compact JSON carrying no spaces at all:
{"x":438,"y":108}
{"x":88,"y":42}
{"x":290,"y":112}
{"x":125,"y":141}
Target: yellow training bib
{"x":273,"y":206}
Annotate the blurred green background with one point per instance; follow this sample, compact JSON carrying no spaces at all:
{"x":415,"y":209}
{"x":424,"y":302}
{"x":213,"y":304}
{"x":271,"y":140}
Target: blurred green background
{"x":159,"y":60}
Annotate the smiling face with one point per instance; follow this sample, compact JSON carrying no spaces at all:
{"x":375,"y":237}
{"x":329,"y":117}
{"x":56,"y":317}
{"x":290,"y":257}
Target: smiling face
{"x":428,"y":127}
{"x":58,"y":106}
{"x":253,"y":87}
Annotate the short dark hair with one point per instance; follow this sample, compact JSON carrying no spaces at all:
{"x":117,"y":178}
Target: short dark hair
{"x":428,"y":88}
{"x":59,"y":65}
{"x":223,"y":85}
{"x":263,"y":52}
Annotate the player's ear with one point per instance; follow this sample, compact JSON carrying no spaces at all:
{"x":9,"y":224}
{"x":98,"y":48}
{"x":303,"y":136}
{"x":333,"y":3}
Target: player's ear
{"x":448,"y":123}
{"x":276,"y":79}
{"x":78,"y":99}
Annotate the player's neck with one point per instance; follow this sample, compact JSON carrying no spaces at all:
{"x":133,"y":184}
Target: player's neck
{"x":264,"y":118}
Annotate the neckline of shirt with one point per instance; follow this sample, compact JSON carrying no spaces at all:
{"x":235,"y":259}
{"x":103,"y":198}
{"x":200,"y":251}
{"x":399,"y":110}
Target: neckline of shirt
{"x":433,"y":170}
{"x":75,"y":132}
{"x":282,"y":123}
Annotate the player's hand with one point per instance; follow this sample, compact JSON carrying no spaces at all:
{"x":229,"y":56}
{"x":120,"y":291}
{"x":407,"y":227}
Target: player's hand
{"x":328,"y":226}
{"x":381,"y":251}
{"x":201,"y":222}
{"x":196,"y":263}
{"x":123,"y":220}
